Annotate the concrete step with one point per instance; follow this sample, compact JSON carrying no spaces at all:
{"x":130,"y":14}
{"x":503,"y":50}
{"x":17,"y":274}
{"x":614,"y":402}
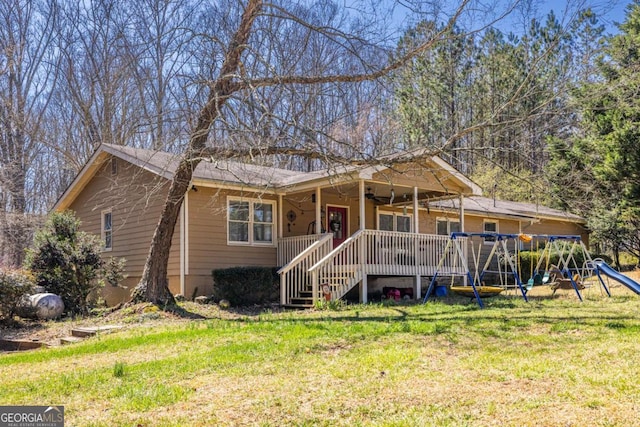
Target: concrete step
{"x":70,"y":340}
{"x":91,"y":331}
{"x":82,"y":332}
{"x":20,"y":345}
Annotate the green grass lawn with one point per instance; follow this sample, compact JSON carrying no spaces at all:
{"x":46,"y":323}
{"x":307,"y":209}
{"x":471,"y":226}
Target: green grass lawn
{"x":547,"y":362}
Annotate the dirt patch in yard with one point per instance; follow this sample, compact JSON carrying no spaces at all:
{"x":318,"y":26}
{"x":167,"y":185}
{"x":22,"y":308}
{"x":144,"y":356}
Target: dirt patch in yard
{"x":128,"y":316}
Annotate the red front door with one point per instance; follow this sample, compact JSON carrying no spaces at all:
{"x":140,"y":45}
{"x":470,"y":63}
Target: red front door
{"x":337,"y":223}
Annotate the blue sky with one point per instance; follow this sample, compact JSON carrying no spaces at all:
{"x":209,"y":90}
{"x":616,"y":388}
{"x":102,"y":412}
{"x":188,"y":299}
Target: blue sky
{"x":608,"y":11}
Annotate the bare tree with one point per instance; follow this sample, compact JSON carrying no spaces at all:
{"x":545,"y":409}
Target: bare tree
{"x":28,"y":71}
{"x":237,"y":70}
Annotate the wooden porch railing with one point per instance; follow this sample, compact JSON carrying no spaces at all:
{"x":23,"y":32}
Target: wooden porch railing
{"x":408,"y":254}
{"x":291,"y":247}
{"x":367,"y":252}
{"x":295,"y":276}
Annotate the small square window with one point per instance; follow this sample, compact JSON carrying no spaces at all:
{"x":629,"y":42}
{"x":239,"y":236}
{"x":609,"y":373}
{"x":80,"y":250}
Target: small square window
{"x":490,"y":227}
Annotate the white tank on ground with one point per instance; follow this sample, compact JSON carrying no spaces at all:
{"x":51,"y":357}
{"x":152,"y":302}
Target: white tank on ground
{"x":47,"y":306}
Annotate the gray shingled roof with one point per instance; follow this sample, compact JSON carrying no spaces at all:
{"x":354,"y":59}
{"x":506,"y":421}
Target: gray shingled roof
{"x":229,"y":171}
{"x":485,"y":205}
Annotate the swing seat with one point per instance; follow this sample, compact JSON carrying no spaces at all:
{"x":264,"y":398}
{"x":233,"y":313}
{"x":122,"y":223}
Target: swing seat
{"x":536,"y":280}
{"x":546,"y":277}
{"x":566,"y":284}
{"x":483,"y":291}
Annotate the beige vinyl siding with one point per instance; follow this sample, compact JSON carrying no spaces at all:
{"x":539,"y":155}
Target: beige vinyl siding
{"x":135,"y":198}
{"x":424,"y":177}
{"x":208,"y":247}
{"x":551,"y":227}
{"x":305,"y":211}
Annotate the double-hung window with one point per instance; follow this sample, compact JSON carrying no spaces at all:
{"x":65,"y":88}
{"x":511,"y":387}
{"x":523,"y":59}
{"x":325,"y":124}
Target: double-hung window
{"x":446,"y":226}
{"x":389,"y":221}
{"x":250,"y":221}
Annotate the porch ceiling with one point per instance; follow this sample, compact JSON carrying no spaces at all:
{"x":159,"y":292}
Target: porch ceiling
{"x":381,"y":193}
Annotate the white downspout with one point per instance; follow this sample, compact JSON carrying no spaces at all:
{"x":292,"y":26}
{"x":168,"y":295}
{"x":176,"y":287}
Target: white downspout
{"x":183,"y":243}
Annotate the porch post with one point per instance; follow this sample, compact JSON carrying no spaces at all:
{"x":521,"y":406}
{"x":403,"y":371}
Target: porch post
{"x":416,"y":250}
{"x":283,"y":284}
{"x":280,"y":217}
{"x":462,"y":228}
{"x":363,"y":289}
{"x":362,"y":205}
{"x":462,"y":212}
{"x":318,"y":212}
{"x":363,"y":286}
{"x":416,"y":219}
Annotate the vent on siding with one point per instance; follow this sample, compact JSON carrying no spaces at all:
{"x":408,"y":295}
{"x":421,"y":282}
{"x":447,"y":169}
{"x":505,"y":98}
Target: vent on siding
{"x":114,"y":165}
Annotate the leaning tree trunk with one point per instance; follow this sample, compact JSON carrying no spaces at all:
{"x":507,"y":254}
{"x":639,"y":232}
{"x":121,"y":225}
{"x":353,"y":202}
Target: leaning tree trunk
{"x":154,"y":286}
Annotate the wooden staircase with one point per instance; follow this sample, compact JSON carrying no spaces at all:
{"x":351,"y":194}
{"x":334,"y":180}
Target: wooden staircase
{"x":303,"y":300}
{"x":365,"y":253}
{"x":339,"y":285}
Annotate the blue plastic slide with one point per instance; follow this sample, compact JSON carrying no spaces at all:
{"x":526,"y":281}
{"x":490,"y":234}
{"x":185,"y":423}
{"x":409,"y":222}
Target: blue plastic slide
{"x":605,"y":269}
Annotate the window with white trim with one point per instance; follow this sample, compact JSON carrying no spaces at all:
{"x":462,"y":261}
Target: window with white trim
{"x":391,"y":221}
{"x":446,"y":226}
{"x":490,"y":226}
{"x":250,"y":221}
{"x":107,"y":230}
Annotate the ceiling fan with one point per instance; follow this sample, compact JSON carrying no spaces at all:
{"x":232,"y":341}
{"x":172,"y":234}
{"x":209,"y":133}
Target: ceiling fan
{"x":379,"y":199}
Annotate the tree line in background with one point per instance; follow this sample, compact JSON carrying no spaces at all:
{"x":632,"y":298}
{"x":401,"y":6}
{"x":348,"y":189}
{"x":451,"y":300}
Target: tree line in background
{"x":547,"y":115}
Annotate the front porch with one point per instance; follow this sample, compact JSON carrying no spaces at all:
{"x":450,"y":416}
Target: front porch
{"x":319,"y":271}
{"x":337,"y":231}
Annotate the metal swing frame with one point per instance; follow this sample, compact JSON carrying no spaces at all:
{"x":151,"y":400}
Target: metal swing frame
{"x":499,"y":242}
{"x":567,"y":265}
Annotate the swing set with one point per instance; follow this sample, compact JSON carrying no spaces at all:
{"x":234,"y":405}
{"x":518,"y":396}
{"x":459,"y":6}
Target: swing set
{"x":567,"y":274}
{"x":475,"y":284}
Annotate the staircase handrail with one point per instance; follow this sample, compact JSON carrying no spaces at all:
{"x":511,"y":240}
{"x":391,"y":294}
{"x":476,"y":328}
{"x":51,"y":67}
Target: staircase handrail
{"x":336,"y":251}
{"x":302,"y":255}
